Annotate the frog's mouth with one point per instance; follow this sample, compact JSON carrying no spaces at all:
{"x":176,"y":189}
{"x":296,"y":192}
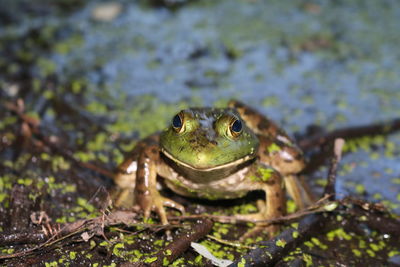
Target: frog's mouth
{"x":228,"y":165}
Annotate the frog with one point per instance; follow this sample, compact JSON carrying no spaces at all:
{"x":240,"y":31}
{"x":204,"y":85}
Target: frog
{"x":215,"y":153}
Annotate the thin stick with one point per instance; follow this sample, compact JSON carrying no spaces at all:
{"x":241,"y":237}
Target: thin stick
{"x":319,"y":206}
{"x":337,"y":155}
{"x":182,"y":242}
{"x":350,"y":132}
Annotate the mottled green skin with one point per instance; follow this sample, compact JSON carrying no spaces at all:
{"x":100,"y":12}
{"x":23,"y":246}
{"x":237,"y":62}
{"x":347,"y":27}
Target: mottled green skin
{"x":206,"y":140}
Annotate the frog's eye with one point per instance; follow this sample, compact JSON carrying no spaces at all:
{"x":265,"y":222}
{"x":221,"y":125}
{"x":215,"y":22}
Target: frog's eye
{"x":236,"y":127}
{"x":177,"y":122}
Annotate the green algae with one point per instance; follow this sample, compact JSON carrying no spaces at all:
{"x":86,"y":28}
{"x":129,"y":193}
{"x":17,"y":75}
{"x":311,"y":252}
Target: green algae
{"x":242,"y":263}
{"x":145,"y":123}
{"x":72,"y":255}
{"x":150,"y":260}
{"x":198,"y":259}
{"x":290,"y":206}
{"x":308,"y":259}
{"x":309,"y":244}
{"x":356,"y":252}
{"x":318,"y":243}
{"x":85,"y":204}
{"x":295,"y":234}
{"x":178,"y":262}
{"x":165,"y":262}
{"x":51,"y":264}
{"x":280,"y":243}
{"x":118,"y":250}
{"x":338,"y":233}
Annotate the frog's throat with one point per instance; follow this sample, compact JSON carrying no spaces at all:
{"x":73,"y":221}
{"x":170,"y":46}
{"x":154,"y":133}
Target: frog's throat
{"x":223,"y":166}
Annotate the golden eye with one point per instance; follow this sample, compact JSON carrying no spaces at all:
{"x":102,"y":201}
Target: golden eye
{"x":177,"y":122}
{"x":236,"y":127}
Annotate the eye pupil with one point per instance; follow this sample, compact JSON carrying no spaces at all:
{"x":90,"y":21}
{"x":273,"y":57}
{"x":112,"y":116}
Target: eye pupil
{"x":237,"y":126}
{"x":177,"y":121}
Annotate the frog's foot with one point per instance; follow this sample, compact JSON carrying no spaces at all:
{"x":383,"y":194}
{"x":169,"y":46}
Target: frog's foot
{"x":157,"y":204}
{"x":271,"y":229}
{"x":301,"y":195}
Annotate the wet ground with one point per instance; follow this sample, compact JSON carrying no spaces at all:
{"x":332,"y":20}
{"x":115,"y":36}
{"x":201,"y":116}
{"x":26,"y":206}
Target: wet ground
{"x":98,"y":82}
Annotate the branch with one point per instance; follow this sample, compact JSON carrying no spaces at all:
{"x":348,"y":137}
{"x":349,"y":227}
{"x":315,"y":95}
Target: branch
{"x":182,"y":242}
{"x":319,"y":206}
{"x":337,"y":154}
{"x":350,"y":132}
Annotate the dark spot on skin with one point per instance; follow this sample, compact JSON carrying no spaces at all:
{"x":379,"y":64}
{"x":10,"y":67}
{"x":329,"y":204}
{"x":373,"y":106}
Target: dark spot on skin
{"x":214,"y":142}
{"x":263,"y":125}
{"x":271,"y":182}
{"x":279,"y":209}
{"x":237,"y":104}
{"x":277,"y":194}
{"x":287,"y":161}
{"x":248,"y":112}
{"x":280,"y":143}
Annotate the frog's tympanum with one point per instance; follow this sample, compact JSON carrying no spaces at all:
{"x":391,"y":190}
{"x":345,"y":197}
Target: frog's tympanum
{"x":214,"y":153}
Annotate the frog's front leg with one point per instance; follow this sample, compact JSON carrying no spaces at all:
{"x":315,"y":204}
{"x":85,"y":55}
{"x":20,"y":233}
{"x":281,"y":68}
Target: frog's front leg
{"x":146,"y":193}
{"x":136,"y":179}
{"x":263,"y":177}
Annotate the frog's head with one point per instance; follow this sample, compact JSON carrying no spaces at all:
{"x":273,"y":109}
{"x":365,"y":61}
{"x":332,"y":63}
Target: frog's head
{"x":208,"y":138}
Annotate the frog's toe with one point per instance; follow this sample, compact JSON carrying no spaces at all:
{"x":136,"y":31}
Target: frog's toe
{"x":271,"y":229}
{"x":174,"y":205}
{"x":158,"y":206}
{"x":161,"y":213}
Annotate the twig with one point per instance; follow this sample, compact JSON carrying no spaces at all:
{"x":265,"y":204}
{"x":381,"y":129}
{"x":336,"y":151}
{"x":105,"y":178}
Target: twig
{"x":376,"y":216}
{"x":230,"y":243}
{"x":337,"y":154}
{"x":350,"y":132}
{"x":29,"y":237}
{"x":319,"y":206}
{"x":182,"y":242}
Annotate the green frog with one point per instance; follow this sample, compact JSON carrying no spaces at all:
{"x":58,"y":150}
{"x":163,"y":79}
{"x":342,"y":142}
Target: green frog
{"x":214,"y":153}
